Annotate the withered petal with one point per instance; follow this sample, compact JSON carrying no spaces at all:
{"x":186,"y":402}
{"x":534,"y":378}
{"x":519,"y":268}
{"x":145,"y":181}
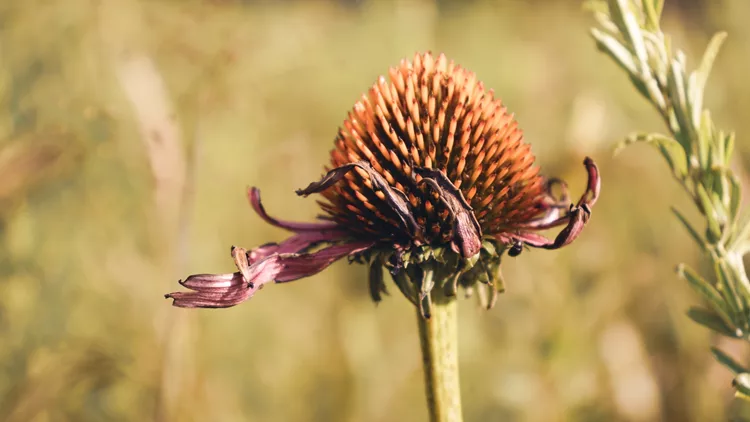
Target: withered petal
{"x":395,"y":199}
{"x":296,"y":266}
{"x":213,"y":291}
{"x":574,"y":220}
{"x":253,"y":195}
{"x":553,"y":217}
{"x":297,"y":243}
{"x":466,"y":230}
{"x":207,"y":282}
{"x":594,"y":186}
{"x":328,"y":180}
{"x":227,"y":290}
{"x":375,"y":281}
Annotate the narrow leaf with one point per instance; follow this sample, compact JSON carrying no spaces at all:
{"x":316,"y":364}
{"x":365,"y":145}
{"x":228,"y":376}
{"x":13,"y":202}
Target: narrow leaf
{"x":727,"y":289}
{"x":670,"y":149}
{"x":619,"y":53}
{"x":704,"y":70}
{"x":652,"y":16}
{"x":728,"y":362}
{"x":636,"y":36}
{"x":713,"y":232}
{"x":711,"y":321}
{"x":708,"y":292}
{"x":693,"y":233}
{"x":728,"y":148}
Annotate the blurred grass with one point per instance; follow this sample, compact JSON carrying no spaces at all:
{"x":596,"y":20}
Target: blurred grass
{"x":129,"y":131}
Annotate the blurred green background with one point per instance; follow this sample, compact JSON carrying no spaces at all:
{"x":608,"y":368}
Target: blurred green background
{"x":130,"y":129}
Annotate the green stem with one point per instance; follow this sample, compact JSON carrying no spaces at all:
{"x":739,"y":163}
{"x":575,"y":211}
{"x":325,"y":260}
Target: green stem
{"x":439,"y":339}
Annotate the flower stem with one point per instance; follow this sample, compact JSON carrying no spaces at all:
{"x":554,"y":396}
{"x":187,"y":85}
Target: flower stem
{"x":438,"y":336}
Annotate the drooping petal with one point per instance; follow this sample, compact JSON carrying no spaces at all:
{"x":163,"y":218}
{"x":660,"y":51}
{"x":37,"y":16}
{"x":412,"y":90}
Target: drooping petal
{"x":253,"y":195}
{"x":594,"y":186}
{"x":375,"y":281}
{"x":227,"y":290}
{"x":467,"y":234}
{"x":574,"y":220}
{"x":297,"y":243}
{"x":296,"y":266}
{"x":212,"y":291}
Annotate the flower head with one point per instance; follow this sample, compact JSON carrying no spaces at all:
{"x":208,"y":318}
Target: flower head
{"x":429,"y":178}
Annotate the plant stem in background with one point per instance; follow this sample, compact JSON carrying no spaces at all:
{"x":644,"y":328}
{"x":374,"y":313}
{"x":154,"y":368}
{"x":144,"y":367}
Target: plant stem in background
{"x":698,"y":155}
{"x":438,"y":336}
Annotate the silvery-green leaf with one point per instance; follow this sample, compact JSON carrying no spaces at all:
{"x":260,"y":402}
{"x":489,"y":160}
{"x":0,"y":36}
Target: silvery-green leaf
{"x":616,"y":15}
{"x":676,"y":86}
{"x":726,"y":286}
{"x":728,"y":362}
{"x":711,"y":321}
{"x":669,"y":148}
{"x":633,"y":33}
{"x":694,"y":100}
{"x":652,"y":10}
{"x":704,"y":70}
{"x":708,"y":292}
{"x":713,"y":229}
{"x":654,"y":93}
{"x":743,"y":235}
{"x":735,"y":199}
{"x":693,"y":233}
{"x":612,"y":47}
{"x":603,"y":20}
{"x":728,"y":147}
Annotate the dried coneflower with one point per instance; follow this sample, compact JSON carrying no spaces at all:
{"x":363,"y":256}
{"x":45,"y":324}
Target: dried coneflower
{"x":429,"y":173}
{"x":429,"y":179}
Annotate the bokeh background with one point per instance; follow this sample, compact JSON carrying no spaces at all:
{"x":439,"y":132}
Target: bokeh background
{"x":129,"y":131}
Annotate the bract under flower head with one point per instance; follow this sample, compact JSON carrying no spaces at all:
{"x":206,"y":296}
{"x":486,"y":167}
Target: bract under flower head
{"x":429,"y":178}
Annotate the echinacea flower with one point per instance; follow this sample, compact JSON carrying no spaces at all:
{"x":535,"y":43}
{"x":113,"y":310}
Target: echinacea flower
{"x":430,"y":179}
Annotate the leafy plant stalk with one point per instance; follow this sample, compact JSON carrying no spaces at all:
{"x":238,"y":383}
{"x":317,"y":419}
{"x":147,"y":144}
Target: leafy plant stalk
{"x":698,"y":155}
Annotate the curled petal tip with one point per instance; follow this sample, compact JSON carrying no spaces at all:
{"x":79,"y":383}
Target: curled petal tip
{"x":253,"y":195}
{"x":575,"y":220}
{"x":594,"y":185}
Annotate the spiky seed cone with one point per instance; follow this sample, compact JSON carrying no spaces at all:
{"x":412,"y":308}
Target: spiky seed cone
{"x":433,"y":114}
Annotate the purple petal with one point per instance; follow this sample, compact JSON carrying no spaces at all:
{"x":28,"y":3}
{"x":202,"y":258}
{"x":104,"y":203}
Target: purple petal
{"x":297,"y":266}
{"x":210,"y":299}
{"x":208,"y":282}
{"x":296,"y":244}
{"x":226,"y":290}
{"x":253,"y":195}
{"x":594,"y":186}
{"x":531,"y":239}
{"x":213,"y":291}
{"x":575,"y":220}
